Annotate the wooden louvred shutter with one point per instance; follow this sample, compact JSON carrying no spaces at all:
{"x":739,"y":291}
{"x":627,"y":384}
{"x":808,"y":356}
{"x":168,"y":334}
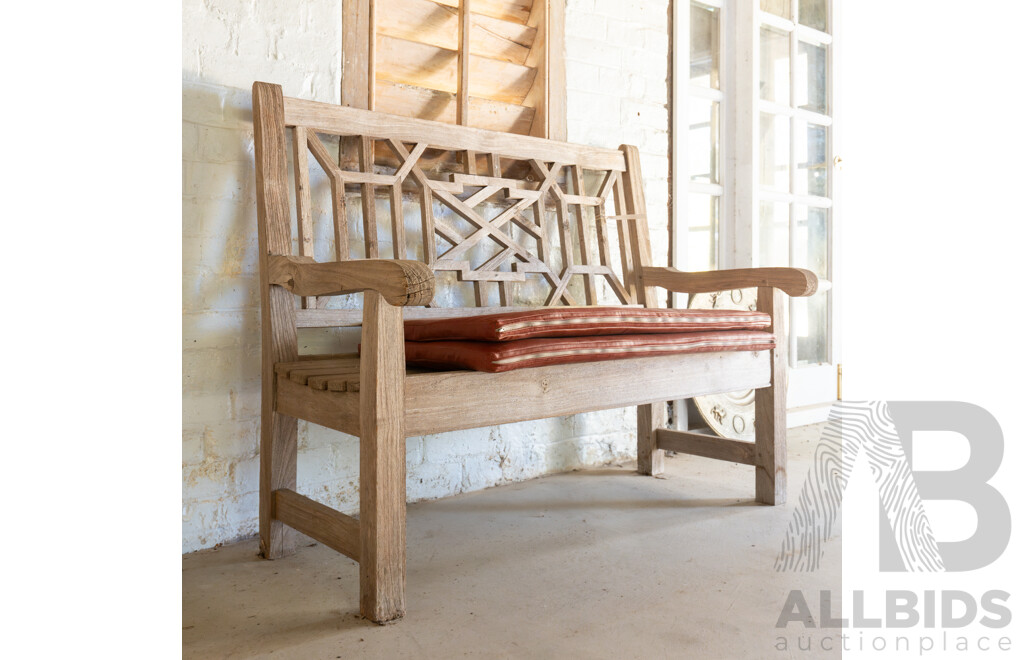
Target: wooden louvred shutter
{"x":494,"y":64}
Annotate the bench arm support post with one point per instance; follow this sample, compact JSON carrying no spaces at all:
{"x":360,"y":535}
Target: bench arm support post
{"x":382,"y":461}
{"x":770,"y":408}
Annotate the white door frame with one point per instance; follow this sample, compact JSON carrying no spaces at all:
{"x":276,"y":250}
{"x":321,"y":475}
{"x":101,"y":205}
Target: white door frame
{"x":812,"y":388}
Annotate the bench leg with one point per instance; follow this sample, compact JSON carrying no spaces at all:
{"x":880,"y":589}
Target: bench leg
{"x":382,"y":462}
{"x":278,"y":450}
{"x":770,"y":410}
{"x":649,"y":418}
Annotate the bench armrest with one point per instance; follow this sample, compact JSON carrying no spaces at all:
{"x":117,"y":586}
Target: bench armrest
{"x":401,"y":282}
{"x":794,"y":281}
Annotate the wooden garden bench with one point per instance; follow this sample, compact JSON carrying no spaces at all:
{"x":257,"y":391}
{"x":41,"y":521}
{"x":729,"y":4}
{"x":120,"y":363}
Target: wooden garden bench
{"x":373,"y":396}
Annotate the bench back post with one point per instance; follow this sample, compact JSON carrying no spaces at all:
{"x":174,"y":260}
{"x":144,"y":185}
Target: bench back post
{"x":639,"y":232}
{"x":279,"y":343}
{"x":277,"y":306}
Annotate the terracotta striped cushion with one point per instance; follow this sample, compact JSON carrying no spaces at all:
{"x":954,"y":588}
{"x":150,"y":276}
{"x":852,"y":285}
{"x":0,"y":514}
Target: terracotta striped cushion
{"x":495,"y":356}
{"x":582,"y":322}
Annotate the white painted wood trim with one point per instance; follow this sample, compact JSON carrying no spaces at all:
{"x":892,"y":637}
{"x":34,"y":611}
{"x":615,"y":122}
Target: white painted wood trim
{"x":799,"y":113}
{"x":705,"y":188}
{"x":834,"y":23}
{"x":777,"y":22}
{"x":709,"y":93}
{"x":742,"y":163}
{"x":803,"y":32}
{"x":727,"y":139}
{"x":789,"y":198}
{"x":680,"y":135}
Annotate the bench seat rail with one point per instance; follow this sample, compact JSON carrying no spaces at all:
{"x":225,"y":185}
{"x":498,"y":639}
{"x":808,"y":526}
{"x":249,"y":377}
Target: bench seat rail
{"x":326,"y":391}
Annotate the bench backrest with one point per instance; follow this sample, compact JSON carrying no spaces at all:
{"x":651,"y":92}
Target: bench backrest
{"x":502,"y":219}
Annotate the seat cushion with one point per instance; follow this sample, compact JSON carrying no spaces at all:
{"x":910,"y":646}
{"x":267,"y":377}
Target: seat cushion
{"x":583,"y":322}
{"x":496,"y":356}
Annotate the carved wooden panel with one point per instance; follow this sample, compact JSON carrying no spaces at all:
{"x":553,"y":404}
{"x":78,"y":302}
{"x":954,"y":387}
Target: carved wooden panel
{"x":518,"y":227}
{"x":486,"y":222}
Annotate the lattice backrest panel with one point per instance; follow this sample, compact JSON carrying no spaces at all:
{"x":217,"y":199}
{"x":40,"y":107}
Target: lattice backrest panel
{"x":502,"y":219}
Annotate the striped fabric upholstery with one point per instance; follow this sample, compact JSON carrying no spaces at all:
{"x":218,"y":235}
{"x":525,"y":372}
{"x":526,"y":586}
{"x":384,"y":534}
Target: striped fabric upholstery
{"x":496,"y":356}
{"x":583,"y":322}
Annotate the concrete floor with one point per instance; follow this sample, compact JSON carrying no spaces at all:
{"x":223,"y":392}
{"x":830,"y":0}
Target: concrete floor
{"x":599,"y":563}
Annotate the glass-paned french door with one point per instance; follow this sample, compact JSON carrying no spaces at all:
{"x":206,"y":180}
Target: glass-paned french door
{"x":754,"y":147}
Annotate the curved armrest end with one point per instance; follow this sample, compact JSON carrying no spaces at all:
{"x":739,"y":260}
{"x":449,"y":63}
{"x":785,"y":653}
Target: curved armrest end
{"x":794,"y":281}
{"x":402,"y":282}
{"x":419,"y":284}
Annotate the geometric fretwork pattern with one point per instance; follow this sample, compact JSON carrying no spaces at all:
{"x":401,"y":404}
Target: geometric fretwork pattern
{"x":505,"y":208}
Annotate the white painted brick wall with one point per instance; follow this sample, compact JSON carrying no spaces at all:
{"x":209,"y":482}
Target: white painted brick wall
{"x":617,"y":53}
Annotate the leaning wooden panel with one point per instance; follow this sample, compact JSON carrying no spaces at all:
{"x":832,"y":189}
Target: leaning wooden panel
{"x":555,"y":96}
{"x":357,"y":26}
{"x":506,"y":10}
{"x":413,"y":63}
{"x":547,"y":55}
{"x":462,"y":84}
{"x":455,"y":400}
{"x":435,"y":105}
{"x":358,"y":63}
{"x":420,"y":20}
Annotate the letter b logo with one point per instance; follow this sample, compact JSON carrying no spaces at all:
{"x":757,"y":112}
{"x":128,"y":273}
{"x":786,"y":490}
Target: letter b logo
{"x":883,"y":433}
{"x":967,"y":484}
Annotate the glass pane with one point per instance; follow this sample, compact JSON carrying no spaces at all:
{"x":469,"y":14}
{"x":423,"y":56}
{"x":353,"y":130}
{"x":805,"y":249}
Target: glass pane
{"x":704,"y":45}
{"x":810,"y":242}
{"x":703,"y":140}
{"x":774,"y":65}
{"x":775,"y":152}
{"x":773,"y":235}
{"x":811,"y":83}
{"x":811,"y":143}
{"x":810,"y":323}
{"x":812,"y":13}
{"x":777,"y":7}
{"x":810,"y":315}
{"x":702,"y":238}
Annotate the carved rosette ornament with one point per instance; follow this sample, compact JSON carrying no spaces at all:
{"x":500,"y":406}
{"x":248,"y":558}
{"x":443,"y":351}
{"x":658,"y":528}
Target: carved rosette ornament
{"x":731,"y":414}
